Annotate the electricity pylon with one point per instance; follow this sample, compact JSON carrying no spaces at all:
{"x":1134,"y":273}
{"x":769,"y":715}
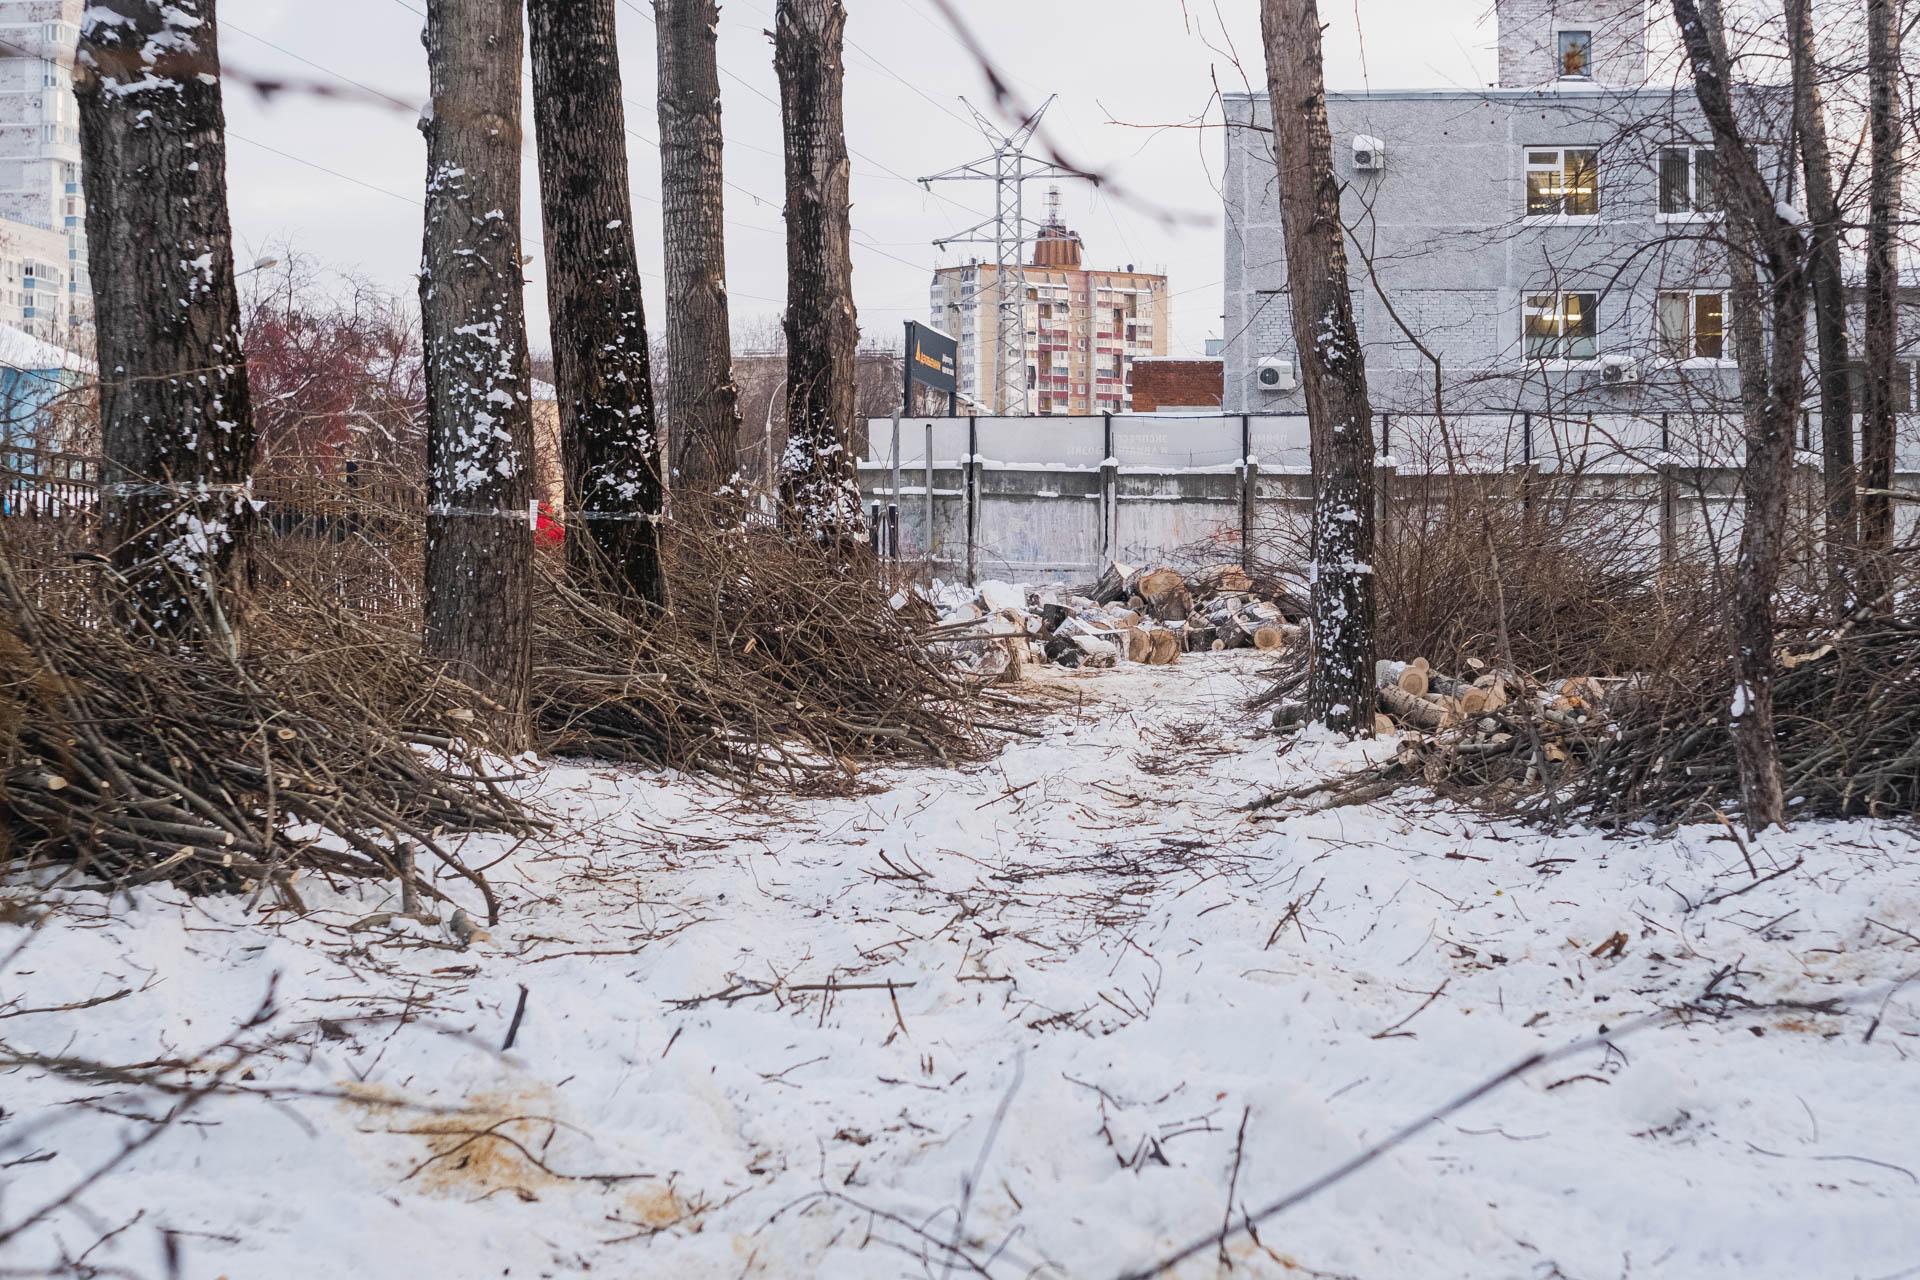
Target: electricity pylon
{"x":1008,"y":168}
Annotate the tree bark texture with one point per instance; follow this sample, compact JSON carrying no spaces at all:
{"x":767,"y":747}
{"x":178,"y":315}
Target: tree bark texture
{"x":1333,"y":372}
{"x":177,"y":424}
{"x":703,"y":405}
{"x":479,"y":420}
{"x":1842,"y":523}
{"x":1880,"y":322}
{"x":819,"y":491}
{"x":1768,"y":267}
{"x":609,"y":439}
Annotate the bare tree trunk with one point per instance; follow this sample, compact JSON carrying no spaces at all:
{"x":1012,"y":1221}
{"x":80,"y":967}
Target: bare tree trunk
{"x":1829,"y":309}
{"x":1333,"y":371}
{"x":703,"y":409}
{"x":176,"y":415}
{"x":1767,"y":260}
{"x":819,"y":491}
{"x":600,"y":359}
{"x":479,"y":418}
{"x":1881,"y":320}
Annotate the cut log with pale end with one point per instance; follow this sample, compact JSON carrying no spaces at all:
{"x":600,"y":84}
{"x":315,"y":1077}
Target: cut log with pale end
{"x":1410,"y":709}
{"x":1139,"y":645}
{"x":1269,"y":638}
{"x":1148,"y":583}
{"x":1218,"y":645}
{"x":1475,"y":702}
{"x":1414,"y":681}
{"x":1166,"y":648}
{"x":1383,"y":724}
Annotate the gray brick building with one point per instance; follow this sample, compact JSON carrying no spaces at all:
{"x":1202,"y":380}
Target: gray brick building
{"x":1549,"y":240}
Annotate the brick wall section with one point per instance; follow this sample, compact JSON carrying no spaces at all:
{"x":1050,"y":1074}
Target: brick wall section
{"x":1177,"y":384}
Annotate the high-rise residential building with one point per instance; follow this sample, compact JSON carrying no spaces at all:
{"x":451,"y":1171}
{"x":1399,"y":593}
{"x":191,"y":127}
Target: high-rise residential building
{"x":1083,"y":329}
{"x":45,"y":288}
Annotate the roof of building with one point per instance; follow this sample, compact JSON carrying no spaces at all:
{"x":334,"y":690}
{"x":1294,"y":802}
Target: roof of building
{"x":21,"y":350}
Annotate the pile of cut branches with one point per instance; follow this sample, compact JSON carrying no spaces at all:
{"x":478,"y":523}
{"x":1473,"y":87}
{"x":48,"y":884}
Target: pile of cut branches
{"x":1847,"y":715}
{"x":772,"y":663}
{"x":1659,"y":749}
{"x":133,"y":761}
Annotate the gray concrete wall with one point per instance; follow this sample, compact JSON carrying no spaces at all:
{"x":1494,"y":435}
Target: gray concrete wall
{"x":1443,"y":233}
{"x":1054,"y":499}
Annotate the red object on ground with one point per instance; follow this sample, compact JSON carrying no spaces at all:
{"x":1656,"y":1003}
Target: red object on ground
{"x":547,"y":532}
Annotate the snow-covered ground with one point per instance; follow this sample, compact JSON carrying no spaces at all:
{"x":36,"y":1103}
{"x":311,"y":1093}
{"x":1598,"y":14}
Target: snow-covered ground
{"x":777,"y":1038}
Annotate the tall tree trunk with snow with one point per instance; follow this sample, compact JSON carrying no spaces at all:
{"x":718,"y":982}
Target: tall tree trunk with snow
{"x":479,"y":412}
{"x":1881,"y":320}
{"x":601,"y":363}
{"x":1842,"y":521}
{"x":1768,"y":267}
{"x":819,"y":492}
{"x":176,"y":415}
{"x":703,"y":405}
{"x":1333,"y":372}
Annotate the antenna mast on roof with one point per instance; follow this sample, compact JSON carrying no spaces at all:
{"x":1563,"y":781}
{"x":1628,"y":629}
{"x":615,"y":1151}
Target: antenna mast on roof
{"x":1008,"y":168}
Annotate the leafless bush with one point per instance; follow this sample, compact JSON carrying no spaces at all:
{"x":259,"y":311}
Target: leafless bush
{"x":1552,"y":572}
{"x":771,"y":662}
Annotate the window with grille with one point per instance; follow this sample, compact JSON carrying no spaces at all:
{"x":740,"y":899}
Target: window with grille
{"x":1687,"y":181}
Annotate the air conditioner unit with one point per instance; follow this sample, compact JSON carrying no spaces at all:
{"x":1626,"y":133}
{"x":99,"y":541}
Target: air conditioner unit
{"x":1276,"y":375}
{"x":1369,"y":154}
{"x":1618,"y":371}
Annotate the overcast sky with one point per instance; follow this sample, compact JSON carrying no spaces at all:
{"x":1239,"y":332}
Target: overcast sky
{"x":1123,"y":70}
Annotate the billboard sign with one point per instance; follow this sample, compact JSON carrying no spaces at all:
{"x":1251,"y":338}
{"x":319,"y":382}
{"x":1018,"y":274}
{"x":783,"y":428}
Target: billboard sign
{"x":932,"y":357}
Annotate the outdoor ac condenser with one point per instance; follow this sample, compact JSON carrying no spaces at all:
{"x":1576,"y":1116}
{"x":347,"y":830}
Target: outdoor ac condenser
{"x":1276,"y":375}
{"x":1369,"y":154}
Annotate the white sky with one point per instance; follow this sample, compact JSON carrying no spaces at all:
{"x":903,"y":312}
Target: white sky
{"x":1114,"y":63}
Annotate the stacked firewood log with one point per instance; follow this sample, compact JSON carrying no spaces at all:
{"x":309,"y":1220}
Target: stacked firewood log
{"x":1147,"y":615}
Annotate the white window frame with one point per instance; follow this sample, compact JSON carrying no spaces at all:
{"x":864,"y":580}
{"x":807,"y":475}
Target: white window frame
{"x":1692,"y":358}
{"x":1559,"y":358}
{"x":1695,"y":211}
{"x":1528,"y":167}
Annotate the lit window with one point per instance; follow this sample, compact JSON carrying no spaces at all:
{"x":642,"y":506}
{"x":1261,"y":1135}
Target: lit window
{"x":1562,"y":326}
{"x":1576,"y":55}
{"x":1687,"y":180}
{"x":1693,"y":326}
{"x":1562,"y":182}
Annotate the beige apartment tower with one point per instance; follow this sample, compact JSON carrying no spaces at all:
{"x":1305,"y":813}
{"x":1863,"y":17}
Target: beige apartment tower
{"x":1083,"y":329}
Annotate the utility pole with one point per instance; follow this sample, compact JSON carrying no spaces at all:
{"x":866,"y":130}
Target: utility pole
{"x":1008,"y":168}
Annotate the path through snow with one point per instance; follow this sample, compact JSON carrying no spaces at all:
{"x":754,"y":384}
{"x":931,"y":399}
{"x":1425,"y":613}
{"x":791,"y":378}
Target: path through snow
{"x":796,"y":1023}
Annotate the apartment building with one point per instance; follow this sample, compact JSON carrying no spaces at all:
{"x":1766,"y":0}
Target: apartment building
{"x":45,"y":288}
{"x":1083,"y":329}
{"x":1551,"y":240}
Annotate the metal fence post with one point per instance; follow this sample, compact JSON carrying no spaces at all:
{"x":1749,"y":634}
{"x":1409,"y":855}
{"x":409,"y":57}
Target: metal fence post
{"x":1109,"y":497}
{"x":931,"y":546}
{"x":973,"y":496}
{"x":893,"y":497}
{"x":1669,"y":495}
{"x":1384,"y":468}
{"x":1249,"y":482}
